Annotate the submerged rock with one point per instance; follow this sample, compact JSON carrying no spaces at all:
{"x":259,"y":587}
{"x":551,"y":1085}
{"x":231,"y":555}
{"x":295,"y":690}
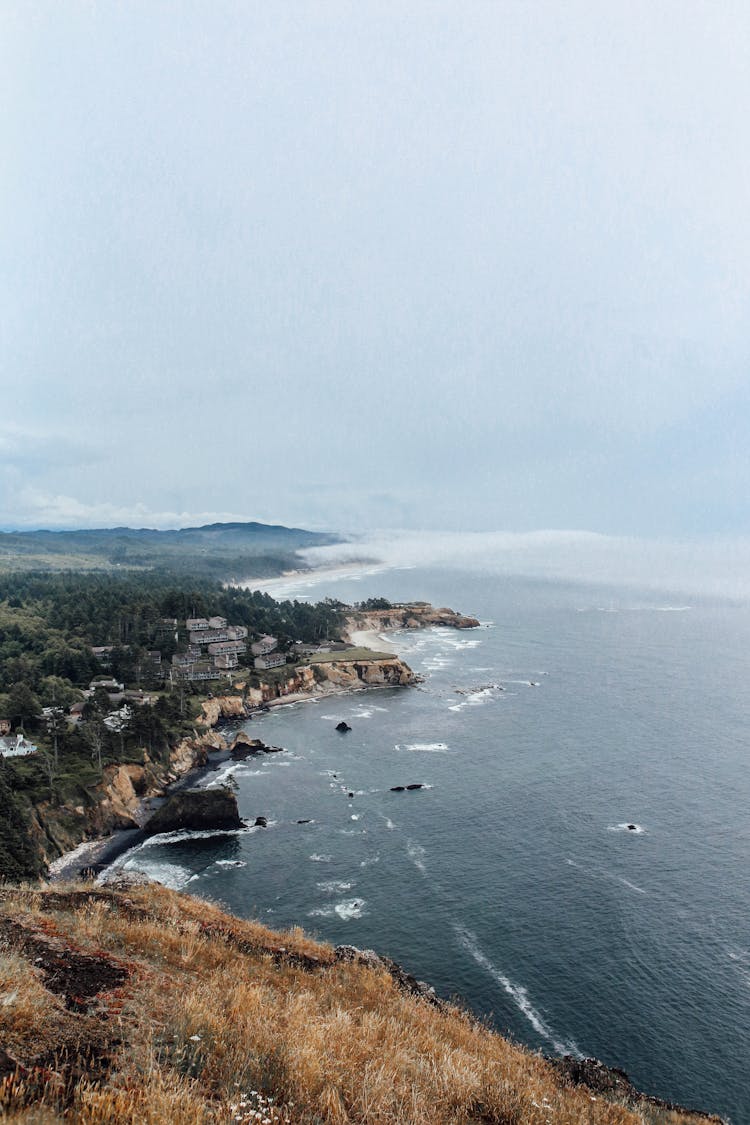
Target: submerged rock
{"x":196,"y":809}
{"x":343,"y":727}
{"x":416,"y":785}
{"x":398,"y":788}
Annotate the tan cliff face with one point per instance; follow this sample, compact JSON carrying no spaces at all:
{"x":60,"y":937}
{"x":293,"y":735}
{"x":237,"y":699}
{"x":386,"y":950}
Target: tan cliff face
{"x":355,"y":674}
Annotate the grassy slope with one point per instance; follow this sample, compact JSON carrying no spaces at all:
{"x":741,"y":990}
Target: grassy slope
{"x":142,"y":1005}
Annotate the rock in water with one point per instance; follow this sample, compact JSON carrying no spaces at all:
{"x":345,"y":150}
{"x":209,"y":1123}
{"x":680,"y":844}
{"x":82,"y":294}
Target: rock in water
{"x":397,"y":788}
{"x":343,"y":727}
{"x":198,"y":810}
{"x":416,"y":785}
{"x":261,"y":822}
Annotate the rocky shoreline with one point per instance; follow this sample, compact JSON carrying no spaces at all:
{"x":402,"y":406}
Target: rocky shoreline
{"x":101,"y":834}
{"x":132,"y":792}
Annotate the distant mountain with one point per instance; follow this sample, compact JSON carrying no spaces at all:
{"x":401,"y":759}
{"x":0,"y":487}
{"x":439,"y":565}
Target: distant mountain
{"x":221,"y":550}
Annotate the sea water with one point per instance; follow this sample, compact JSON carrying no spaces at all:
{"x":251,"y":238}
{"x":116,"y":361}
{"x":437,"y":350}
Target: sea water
{"x":513,"y":878}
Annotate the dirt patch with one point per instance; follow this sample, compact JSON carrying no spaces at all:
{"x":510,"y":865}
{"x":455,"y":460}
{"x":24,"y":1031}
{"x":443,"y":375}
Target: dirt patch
{"x":75,"y":976}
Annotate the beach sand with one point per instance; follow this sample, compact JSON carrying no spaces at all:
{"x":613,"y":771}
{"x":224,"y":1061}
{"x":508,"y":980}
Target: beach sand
{"x":370,"y":638}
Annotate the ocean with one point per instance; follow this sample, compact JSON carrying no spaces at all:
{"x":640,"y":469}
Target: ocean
{"x":513,"y":879}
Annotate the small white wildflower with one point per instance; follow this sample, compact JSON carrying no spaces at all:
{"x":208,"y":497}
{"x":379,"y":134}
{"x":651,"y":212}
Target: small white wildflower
{"x":195,"y":1038}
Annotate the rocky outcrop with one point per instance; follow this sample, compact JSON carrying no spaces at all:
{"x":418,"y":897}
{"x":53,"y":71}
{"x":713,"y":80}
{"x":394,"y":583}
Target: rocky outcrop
{"x":242,"y":746}
{"x":613,"y":1084}
{"x":198,"y":810}
{"x":416,"y":615}
{"x":351,"y":674}
{"x":223,"y":707}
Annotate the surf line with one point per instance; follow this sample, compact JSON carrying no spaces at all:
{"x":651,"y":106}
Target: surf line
{"x":517,"y":993}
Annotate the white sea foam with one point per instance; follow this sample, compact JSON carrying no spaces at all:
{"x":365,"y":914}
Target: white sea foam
{"x":473,"y":699}
{"x":169,"y":874}
{"x":354,"y":816}
{"x":231,"y":863}
{"x":370,"y":860}
{"x":389,"y":823}
{"x":600,"y":873}
{"x":185,"y":835}
{"x":416,"y":854}
{"x":222,"y":777}
{"x":334,"y":886}
{"x":347,"y":910}
{"x":636,"y":830}
{"x":320,"y":858}
{"x":424,"y":747}
{"x":517,"y":993}
{"x":632,"y":886}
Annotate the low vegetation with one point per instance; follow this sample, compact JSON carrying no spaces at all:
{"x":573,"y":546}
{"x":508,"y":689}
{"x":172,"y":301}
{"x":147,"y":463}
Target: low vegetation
{"x":139,"y":1005}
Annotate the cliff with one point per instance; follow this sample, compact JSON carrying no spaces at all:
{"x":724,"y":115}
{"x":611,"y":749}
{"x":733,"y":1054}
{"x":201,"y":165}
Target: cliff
{"x":133,"y":1003}
{"x":117,"y":801}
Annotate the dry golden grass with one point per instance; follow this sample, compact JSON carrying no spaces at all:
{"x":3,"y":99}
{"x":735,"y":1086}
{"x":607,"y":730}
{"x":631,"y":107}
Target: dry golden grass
{"x":222,"y":1020}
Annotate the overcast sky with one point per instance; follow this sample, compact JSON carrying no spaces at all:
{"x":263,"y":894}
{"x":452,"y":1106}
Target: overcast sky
{"x":432,"y":265}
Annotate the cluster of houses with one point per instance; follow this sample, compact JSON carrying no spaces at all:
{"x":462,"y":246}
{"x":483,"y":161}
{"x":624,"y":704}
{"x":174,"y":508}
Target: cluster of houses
{"x":214,"y":647}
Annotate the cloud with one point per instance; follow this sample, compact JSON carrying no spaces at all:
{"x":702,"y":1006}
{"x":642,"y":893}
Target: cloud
{"x":715,"y":567}
{"x":35,"y":449}
{"x":33,"y":508}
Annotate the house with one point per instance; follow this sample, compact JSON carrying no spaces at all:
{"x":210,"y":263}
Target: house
{"x":103,"y":654}
{"x":222,"y":647}
{"x":16,"y":747}
{"x":217,"y":622}
{"x":211,"y":636}
{"x":270,"y":660}
{"x":196,"y":624}
{"x":112,"y":687}
{"x":224,"y":661}
{"x":263,"y":646}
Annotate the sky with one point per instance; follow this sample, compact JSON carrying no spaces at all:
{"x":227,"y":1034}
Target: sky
{"x":459,"y":266}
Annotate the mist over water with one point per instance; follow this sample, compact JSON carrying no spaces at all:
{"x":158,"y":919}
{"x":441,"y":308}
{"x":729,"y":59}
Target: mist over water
{"x":514,"y":878}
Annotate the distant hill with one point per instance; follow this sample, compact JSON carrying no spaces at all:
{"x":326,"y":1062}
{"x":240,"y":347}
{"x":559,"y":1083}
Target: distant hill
{"x":219,"y":550}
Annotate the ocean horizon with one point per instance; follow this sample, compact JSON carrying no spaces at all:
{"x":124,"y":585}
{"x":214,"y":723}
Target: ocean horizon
{"x":575,"y":867}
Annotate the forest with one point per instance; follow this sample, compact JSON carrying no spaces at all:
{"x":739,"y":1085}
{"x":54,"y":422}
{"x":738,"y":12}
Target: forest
{"x":48,"y":625}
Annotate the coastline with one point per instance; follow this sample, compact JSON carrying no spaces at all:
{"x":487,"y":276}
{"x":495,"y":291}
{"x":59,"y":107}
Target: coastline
{"x":98,"y":855}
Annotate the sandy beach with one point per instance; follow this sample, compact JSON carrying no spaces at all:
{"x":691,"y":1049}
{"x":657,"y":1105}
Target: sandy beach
{"x":370,"y":638}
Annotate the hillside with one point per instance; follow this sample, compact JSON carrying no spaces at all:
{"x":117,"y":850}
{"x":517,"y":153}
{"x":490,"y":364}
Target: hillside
{"x":219,"y":550}
{"x":136,"y":1004}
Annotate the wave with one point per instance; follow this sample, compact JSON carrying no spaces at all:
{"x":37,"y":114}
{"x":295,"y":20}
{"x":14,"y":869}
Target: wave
{"x":473,"y":699}
{"x":416,"y":854}
{"x":424,"y":747}
{"x":334,"y":886}
{"x":354,"y":908}
{"x":231,"y":863}
{"x":632,"y":829}
{"x":594,"y":873}
{"x":185,"y":835}
{"x":517,"y":993}
{"x":168,"y":874}
{"x":320,"y":858}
